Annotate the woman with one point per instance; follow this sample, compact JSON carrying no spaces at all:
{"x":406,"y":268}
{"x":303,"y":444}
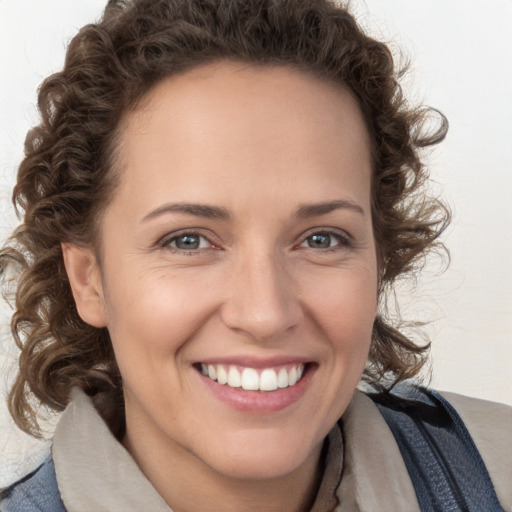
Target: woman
{"x":217,"y":200}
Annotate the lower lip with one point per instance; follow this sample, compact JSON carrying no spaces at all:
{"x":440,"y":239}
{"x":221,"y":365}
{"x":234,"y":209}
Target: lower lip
{"x":259,"y":401}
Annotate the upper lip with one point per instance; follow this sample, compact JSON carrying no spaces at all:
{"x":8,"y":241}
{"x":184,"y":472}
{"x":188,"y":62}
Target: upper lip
{"x":256,"y":362}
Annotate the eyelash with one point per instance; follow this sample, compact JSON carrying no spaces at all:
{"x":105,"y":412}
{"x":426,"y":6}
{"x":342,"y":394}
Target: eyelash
{"x":166,"y":242}
{"x":343,"y":241}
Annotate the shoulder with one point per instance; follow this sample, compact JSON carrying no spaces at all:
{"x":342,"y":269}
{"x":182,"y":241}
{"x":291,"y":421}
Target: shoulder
{"x":490,"y":426}
{"x":486,"y":421}
{"x":472,"y":438}
{"x":37,"y":492}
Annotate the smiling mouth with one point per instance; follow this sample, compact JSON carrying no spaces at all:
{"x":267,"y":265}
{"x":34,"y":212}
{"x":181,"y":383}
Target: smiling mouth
{"x":252,"y":379}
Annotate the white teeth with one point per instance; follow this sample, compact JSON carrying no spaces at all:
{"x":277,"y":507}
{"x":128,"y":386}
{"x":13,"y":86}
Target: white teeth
{"x":268,"y":379}
{"x":234,"y":379}
{"x":282,"y":378}
{"x":292,"y":376}
{"x":212,"y":373}
{"x":222,"y":375}
{"x":250,"y":379}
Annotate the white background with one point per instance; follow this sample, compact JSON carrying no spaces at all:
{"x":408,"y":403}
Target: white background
{"x":461,"y":52}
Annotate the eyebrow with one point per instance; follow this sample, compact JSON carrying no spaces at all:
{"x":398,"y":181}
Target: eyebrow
{"x":195,"y":209}
{"x":215,"y":212}
{"x":316,"y":209}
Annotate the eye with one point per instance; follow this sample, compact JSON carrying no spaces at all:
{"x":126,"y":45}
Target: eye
{"x":325,"y":240}
{"x":188,"y":241}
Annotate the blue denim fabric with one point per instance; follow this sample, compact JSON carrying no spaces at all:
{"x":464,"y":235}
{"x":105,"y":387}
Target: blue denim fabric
{"x":37,"y":492}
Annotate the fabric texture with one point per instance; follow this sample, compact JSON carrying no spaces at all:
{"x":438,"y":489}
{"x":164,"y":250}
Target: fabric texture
{"x":445,"y":466}
{"x":37,"y":492}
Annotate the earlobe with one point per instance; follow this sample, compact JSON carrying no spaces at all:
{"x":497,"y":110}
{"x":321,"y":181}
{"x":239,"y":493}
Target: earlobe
{"x":85,"y":279}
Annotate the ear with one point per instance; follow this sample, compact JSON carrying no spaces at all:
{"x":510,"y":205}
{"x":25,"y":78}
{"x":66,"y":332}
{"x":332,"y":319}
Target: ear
{"x":85,"y":279}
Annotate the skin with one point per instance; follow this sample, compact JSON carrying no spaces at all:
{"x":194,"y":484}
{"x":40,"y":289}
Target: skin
{"x":259,"y":143}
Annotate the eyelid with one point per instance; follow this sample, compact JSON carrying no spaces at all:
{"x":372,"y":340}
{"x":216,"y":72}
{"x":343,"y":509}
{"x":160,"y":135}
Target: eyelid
{"x":346,"y":240}
{"x":165,"y":241}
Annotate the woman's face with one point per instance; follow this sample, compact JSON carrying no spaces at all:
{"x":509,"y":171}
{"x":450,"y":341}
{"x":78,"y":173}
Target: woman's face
{"x":239,"y":244}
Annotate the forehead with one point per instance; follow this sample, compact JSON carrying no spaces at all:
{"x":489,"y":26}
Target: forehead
{"x":228,"y":127}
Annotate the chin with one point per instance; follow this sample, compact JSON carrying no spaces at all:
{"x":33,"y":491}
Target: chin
{"x":257,"y":468}
{"x":263,"y":457}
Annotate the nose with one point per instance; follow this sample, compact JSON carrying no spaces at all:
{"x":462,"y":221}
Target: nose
{"x":262,"y":299}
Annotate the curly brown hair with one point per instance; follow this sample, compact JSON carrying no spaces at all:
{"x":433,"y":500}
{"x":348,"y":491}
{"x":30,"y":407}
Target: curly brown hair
{"x":69,"y":172}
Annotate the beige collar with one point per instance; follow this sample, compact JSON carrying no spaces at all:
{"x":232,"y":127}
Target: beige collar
{"x":374,"y":474}
{"x":95,"y":472}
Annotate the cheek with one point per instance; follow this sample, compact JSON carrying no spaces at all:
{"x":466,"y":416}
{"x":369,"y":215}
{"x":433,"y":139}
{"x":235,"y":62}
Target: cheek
{"x":155,"y":314}
{"x":349,"y":298}
{"x":344,"y":308}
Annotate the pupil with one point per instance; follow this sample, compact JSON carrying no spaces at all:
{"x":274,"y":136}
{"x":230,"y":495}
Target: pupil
{"x":320,"y":241}
{"x":187,"y":242}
